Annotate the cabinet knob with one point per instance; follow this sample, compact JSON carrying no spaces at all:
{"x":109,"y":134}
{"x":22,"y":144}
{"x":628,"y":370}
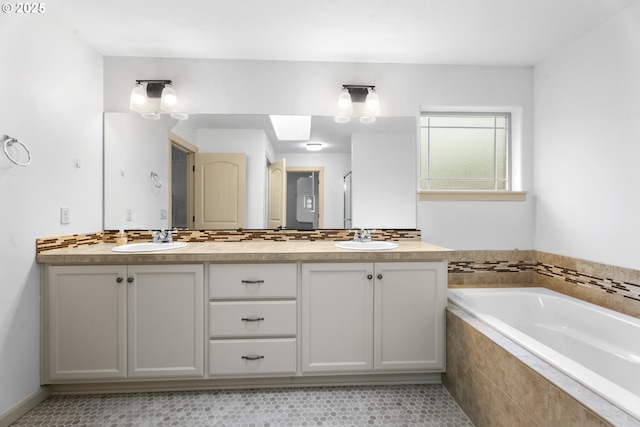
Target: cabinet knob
{"x":379,"y":276}
{"x":252,"y":319}
{"x":119,"y":279}
{"x":252,"y":357}
{"x":129,"y":279}
{"x":369,"y":276}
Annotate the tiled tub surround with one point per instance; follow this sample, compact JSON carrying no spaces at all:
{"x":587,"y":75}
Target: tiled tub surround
{"x":491,"y":268}
{"x":498,"y":383}
{"x":615,"y":288}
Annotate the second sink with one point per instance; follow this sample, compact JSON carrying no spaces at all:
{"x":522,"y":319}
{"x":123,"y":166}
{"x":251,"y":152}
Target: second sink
{"x":148,"y":247}
{"x":366,"y":246}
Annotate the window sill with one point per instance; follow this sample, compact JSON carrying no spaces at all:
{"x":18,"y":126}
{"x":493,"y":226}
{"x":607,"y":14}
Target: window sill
{"x":481,"y":196}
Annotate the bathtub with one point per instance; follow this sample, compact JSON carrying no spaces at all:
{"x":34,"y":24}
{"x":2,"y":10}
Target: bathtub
{"x":597,"y":347}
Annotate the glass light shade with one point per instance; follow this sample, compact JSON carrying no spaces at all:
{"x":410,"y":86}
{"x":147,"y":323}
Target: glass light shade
{"x":169,"y":99}
{"x":180,"y":116}
{"x":372,"y":103}
{"x":345,"y":107}
{"x":344,"y":100}
{"x":367,"y":119}
{"x":154,"y":115}
{"x":138,"y":98}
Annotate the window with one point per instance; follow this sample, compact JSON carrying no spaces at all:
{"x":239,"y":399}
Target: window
{"x":464,"y":152}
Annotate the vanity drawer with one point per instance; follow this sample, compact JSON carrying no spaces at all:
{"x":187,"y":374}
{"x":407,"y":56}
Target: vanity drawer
{"x":251,"y":357}
{"x":252,"y":318}
{"x":252,"y":281}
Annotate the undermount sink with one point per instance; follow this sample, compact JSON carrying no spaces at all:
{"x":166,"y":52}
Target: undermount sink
{"x":148,"y":247}
{"x":366,"y":246}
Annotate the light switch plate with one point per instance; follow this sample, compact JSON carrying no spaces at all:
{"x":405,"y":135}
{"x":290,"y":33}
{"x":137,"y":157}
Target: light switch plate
{"x":65,"y":215}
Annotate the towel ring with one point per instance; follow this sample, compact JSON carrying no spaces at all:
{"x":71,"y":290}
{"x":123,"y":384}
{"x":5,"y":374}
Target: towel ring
{"x":8,"y":142}
{"x":155,"y":180}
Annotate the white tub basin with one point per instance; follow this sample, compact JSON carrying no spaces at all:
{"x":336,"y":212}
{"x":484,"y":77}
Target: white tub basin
{"x":366,"y":246}
{"x":148,"y":247}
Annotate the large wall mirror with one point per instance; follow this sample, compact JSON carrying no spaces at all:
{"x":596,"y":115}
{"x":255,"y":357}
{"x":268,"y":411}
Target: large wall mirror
{"x":167,"y":173}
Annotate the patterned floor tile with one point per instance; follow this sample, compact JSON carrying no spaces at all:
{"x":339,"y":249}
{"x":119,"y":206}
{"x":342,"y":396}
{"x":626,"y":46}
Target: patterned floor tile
{"x":396,"y":405}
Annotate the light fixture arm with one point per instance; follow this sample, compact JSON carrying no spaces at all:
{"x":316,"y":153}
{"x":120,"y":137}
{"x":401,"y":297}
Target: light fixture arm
{"x":154,"y":87}
{"x":358,"y":92}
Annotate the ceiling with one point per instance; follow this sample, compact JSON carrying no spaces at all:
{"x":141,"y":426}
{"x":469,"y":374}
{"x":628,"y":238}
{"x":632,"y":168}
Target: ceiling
{"x":479,"y":32}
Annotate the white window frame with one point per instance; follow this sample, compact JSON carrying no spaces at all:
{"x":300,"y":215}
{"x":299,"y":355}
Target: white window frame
{"x":481,"y":195}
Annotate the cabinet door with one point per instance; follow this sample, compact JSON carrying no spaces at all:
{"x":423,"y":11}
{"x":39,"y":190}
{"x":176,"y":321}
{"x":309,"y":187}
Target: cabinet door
{"x":337,"y":317}
{"x":165,"y":321}
{"x":85,"y":322}
{"x":410,"y":300}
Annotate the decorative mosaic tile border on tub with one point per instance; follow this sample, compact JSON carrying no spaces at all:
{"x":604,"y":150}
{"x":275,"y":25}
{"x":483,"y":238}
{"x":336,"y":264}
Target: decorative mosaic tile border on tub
{"x":609,"y":285}
{"x":490,"y":266}
{"x":108,"y":236}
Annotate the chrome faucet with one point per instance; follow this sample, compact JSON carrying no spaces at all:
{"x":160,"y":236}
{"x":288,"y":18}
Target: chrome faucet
{"x":162,"y":236}
{"x":362,"y":235}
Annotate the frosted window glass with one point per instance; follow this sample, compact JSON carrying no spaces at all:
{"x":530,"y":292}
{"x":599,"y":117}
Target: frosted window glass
{"x":464,"y":151}
{"x":461,"y":153}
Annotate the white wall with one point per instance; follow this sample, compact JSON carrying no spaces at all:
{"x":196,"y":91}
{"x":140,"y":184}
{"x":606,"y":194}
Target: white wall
{"x":587,"y":147}
{"x":51,"y":86}
{"x":335,"y":165}
{"x":277,"y":87}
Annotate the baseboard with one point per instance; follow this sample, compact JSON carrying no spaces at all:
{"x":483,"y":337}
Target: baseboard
{"x":24,"y":406}
{"x":221,"y":384}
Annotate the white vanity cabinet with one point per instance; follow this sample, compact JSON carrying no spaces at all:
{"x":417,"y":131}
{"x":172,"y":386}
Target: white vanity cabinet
{"x":382,"y":317}
{"x":116,"y":321}
{"x":252,"y":319}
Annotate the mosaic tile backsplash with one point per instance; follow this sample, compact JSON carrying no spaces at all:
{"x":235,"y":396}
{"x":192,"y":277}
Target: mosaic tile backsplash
{"x":108,"y":236}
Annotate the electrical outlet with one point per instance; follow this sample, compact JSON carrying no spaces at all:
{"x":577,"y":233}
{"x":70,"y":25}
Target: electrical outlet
{"x":163,"y":214}
{"x":65,"y":215}
{"x":129,"y":214}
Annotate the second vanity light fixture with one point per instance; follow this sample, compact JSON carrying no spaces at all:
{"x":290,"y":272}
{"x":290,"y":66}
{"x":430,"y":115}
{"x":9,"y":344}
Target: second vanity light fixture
{"x":152,"y":97}
{"x":366,"y":95}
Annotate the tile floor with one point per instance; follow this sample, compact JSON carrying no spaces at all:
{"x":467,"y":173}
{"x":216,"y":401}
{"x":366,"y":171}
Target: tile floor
{"x":396,"y":405}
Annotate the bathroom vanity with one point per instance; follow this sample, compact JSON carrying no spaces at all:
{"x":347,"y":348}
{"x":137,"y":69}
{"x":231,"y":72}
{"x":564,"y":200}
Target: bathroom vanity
{"x":242,"y":313}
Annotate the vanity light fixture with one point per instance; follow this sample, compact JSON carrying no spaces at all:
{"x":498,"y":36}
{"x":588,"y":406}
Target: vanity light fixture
{"x":366,"y":96}
{"x":314,"y":146}
{"x":152,"y":97}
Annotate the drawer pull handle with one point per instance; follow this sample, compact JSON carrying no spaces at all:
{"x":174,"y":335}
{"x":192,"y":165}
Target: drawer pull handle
{"x":252,"y":281}
{"x":252,"y":357}
{"x":252,"y":319}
